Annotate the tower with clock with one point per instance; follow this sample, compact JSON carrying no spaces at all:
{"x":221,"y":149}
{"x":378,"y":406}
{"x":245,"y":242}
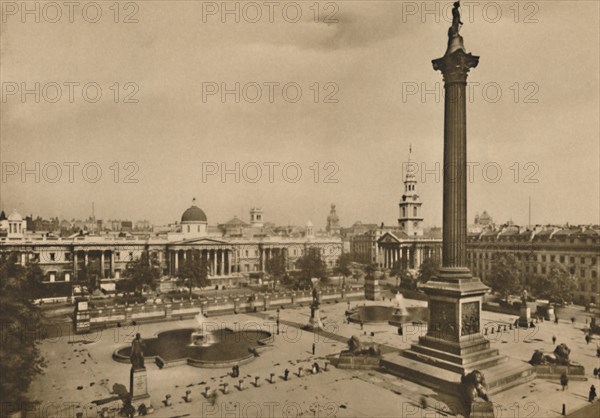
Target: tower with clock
{"x":411,"y":219}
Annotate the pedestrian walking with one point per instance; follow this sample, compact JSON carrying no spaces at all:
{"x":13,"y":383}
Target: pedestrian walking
{"x":592,"y":395}
{"x":286,"y":373}
{"x":314,"y":349}
{"x":564,"y":381}
{"x":588,"y":338}
{"x":553,"y":339}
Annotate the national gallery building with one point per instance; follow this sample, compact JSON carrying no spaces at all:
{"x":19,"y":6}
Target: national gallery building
{"x":236,"y":251}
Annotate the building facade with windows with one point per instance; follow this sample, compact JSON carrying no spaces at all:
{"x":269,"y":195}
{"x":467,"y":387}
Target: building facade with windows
{"x":577,"y":249}
{"x":232,"y":254}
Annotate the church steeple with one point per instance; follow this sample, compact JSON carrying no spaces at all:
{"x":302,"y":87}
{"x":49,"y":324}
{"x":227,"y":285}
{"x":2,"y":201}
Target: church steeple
{"x":410,"y":220}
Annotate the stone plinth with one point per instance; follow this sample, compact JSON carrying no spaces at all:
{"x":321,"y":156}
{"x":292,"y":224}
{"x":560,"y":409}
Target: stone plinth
{"x":372,"y":288}
{"x":524,"y":316}
{"x":138,"y":384}
{"x":138,"y":390}
{"x":347,"y":360}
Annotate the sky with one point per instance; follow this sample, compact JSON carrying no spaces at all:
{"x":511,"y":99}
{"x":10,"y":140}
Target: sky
{"x":344,"y":94}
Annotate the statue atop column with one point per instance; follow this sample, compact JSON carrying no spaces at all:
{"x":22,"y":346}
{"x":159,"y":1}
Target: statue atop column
{"x":456,"y":23}
{"x":137,"y":352}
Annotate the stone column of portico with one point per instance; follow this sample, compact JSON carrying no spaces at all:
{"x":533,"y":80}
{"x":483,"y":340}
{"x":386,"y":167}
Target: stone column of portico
{"x":112,"y":263}
{"x":74,"y":264}
{"x":214,"y":262}
{"x":102,"y":264}
{"x":222,"y":270}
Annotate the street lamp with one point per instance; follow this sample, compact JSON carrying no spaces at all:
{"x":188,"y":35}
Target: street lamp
{"x":277,"y":321}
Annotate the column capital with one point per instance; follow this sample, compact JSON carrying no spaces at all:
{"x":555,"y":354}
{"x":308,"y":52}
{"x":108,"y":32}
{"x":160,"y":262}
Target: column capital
{"x":455,"y":66}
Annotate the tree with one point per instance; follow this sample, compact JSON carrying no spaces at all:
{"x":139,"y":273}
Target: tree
{"x":429,"y":268}
{"x":403,"y":278}
{"x":194,"y":271}
{"x":311,"y":265}
{"x":20,"y":320}
{"x":276,"y":266}
{"x":343,"y":265}
{"x":557,"y":286}
{"x":505,"y":276}
{"x":140,"y":273}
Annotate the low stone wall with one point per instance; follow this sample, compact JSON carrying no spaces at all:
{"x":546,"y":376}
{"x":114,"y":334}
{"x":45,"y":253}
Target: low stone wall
{"x":553,"y":371}
{"x":184,"y":309}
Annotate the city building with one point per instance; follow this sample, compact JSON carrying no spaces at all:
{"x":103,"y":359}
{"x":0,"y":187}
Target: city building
{"x":236,"y":252}
{"x":576,"y":248}
{"x":407,"y":243}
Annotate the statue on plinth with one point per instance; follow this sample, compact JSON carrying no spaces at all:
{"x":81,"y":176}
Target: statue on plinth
{"x":315,"y":318}
{"x":560,"y":357}
{"x":137,"y":352}
{"x":358,"y":347}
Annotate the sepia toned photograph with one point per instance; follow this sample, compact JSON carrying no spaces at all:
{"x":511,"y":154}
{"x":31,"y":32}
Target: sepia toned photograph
{"x":309,"y":208}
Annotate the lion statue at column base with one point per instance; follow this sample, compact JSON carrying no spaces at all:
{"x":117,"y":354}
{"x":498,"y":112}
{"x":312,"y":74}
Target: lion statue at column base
{"x":357,"y":347}
{"x":473,"y":386}
{"x":560,"y":356}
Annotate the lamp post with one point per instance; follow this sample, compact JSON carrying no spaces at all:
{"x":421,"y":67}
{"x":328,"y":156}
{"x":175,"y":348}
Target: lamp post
{"x":277,"y":321}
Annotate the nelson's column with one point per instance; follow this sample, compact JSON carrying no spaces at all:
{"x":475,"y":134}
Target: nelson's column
{"x":454,"y":346}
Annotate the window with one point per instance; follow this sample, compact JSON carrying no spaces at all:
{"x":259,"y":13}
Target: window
{"x":188,"y":228}
{"x":594,"y":274}
{"x":117,"y":255}
{"x":582,"y":271}
{"x":562,"y":258}
{"x":52,"y":256}
{"x":572,"y":260}
{"x":544,"y":258}
{"x":544,"y":270}
{"x":552,"y":258}
{"x":582,"y":260}
{"x":247,"y":253}
{"x":415,"y":211}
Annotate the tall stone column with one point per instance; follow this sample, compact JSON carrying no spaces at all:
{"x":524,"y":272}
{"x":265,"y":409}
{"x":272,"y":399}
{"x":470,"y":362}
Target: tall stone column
{"x":455,"y":296}
{"x":455,"y":66}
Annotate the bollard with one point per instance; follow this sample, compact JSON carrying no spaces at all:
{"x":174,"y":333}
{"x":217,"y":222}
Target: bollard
{"x":188,"y":396}
{"x":272,"y":376}
{"x":300,"y":371}
{"x":325,"y":367}
{"x":168,"y":401}
{"x":206,"y":389}
{"x":256,"y":384}
{"x":241,"y":384}
{"x":225,"y":388}
{"x":564,"y":410}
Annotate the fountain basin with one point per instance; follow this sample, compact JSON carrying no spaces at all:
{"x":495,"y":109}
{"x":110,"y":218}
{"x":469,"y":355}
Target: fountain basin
{"x":383,"y":314}
{"x":175,"y":347}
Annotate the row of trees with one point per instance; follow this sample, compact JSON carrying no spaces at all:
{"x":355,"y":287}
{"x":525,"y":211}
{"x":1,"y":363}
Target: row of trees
{"x":21,"y":322}
{"x":508,"y":277}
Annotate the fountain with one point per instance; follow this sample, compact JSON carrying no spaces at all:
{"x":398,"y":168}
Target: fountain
{"x":202,"y":337}
{"x":204,"y":345}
